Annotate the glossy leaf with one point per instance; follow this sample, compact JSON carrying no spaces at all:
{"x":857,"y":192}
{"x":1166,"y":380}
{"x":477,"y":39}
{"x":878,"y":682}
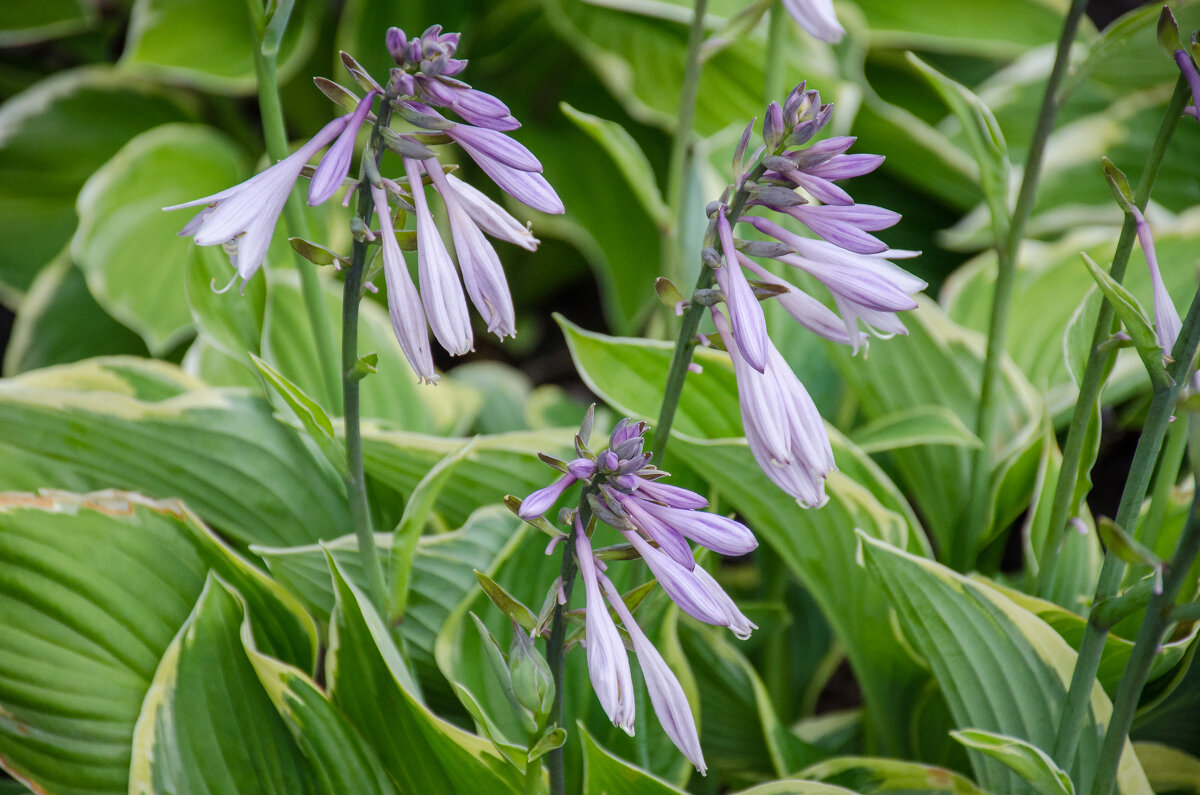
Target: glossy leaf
{"x":152,"y":429}
{"x":917,"y":426}
{"x":868,"y":776}
{"x":1026,"y":760}
{"x":369,"y":683}
{"x":605,"y":774}
{"x":971,"y":634}
{"x":127,"y":247}
{"x":314,"y":419}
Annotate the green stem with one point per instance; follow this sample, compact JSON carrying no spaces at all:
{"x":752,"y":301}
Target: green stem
{"x":777,"y":34}
{"x":1164,"y":483}
{"x":352,"y":289}
{"x":681,"y":141}
{"x":1090,"y":648}
{"x":275,"y":135}
{"x":1154,"y":625}
{"x":686,"y":342}
{"x":1006,"y":256}
{"x":1097,"y":363}
{"x":556,"y":656}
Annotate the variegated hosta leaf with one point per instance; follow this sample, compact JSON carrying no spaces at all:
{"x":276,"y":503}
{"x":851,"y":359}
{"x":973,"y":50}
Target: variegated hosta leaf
{"x":95,"y":588}
{"x":130,"y":424}
{"x":1000,"y":667}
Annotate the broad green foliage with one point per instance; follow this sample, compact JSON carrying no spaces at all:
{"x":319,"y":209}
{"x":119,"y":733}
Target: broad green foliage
{"x":867,"y":775}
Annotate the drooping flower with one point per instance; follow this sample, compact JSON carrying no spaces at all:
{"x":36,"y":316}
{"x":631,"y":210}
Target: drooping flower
{"x":1167,"y":324}
{"x":242,"y":218}
{"x":1188,"y":69}
{"x":816,"y":17}
{"x":335,"y":165}
{"x":608,"y":662}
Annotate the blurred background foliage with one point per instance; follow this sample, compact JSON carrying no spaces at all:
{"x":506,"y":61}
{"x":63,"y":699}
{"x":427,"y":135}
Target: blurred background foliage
{"x":114,"y":109}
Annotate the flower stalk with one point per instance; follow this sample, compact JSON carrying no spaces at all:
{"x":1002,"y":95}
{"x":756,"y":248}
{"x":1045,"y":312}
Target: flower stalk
{"x":1098,"y":358}
{"x":352,"y":291}
{"x":1162,"y":407}
{"x":1007,"y":248}
{"x":275,"y":136}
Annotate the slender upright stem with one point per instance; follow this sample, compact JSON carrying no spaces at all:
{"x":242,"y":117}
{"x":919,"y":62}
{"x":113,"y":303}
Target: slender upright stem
{"x":1006,"y":251}
{"x":1158,"y":618}
{"x":556,"y":652}
{"x":681,"y":141}
{"x":356,"y":481}
{"x":686,"y":342}
{"x":1090,"y":648}
{"x":275,"y":135}
{"x":777,"y":35}
{"x":1097,"y":362}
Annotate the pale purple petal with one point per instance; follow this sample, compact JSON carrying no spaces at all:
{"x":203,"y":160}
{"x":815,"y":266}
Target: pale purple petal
{"x":673,"y":496}
{"x":482,"y":273}
{"x":835,"y":230}
{"x":543,"y":499}
{"x":335,"y":165}
{"x":441,"y":290}
{"x":819,"y":188}
{"x":821,"y":151}
{"x":668,"y":540}
{"x":745,"y":313}
{"x":608,"y":662}
{"x":817,"y":17}
{"x":1167,"y":324}
{"x":804,"y":309}
{"x":404,"y":304}
{"x":679,"y":583}
{"x":527,"y":187}
{"x":763,"y":413}
{"x":666,"y":694}
{"x":845,"y":166}
{"x":737,"y":621}
{"x":495,"y":145}
{"x":491,"y":217}
{"x":718,"y":533}
{"x":582,"y":468}
{"x":1184,"y":61}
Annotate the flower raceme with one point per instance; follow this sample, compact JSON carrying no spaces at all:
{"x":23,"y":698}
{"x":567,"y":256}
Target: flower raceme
{"x":800,"y":184}
{"x":242,"y":219}
{"x":656,"y":519}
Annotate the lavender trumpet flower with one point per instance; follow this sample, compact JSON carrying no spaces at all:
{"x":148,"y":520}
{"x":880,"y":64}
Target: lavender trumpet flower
{"x":816,"y":17}
{"x":404,"y":304}
{"x":625,"y":492}
{"x":1167,"y":324}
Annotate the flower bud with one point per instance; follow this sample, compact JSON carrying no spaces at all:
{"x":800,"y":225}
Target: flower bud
{"x":773,"y":129}
{"x":532,"y":683}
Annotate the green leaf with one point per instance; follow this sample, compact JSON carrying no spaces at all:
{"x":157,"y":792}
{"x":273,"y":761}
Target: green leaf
{"x":794,"y":786}
{"x":338,"y":756}
{"x":95,"y":588}
{"x":605,"y":774}
{"x":127,"y":247}
{"x":442,"y":576}
{"x":912,"y":427}
{"x":630,"y":373}
{"x":985,"y":139}
{"x":1125,"y":546}
{"x":1169,"y":769}
{"x":209,"y":44}
{"x":206,"y":724}
{"x":1134,"y":318}
{"x":629,"y":159}
{"x":1026,"y":760}
{"x":368,"y":683}
{"x":500,"y":464}
{"x":27,"y":23}
{"x":314,"y":419}
{"x":417,"y":512}
{"x":1000,"y":667}
{"x":152,"y":429}
{"x":47,"y":154}
{"x":59,"y":322}
{"x":505,"y":602}
{"x":233,"y":320}
{"x":868,"y":776}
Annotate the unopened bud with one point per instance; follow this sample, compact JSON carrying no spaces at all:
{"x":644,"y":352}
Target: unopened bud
{"x":773,"y":129}
{"x":532,"y":682}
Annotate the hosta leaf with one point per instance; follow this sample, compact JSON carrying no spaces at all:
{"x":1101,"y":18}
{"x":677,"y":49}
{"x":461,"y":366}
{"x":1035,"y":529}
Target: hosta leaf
{"x":26,"y":23}
{"x":127,"y":247}
{"x":1026,"y":760}
{"x":1000,"y":667}
{"x":221,"y":451}
{"x":368,"y":683}
{"x":916,"y":426}
{"x":206,"y":723}
{"x":47,"y":154}
{"x":606,"y":774}
{"x":868,"y":775}
{"x":95,"y":588}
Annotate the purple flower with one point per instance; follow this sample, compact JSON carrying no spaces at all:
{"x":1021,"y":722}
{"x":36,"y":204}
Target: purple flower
{"x":816,"y":17}
{"x":666,"y":537}
{"x":679,"y":583}
{"x":745,"y":313}
{"x":804,"y":309}
{"x":670,"y":495}
{"x":491,"y":217}
{"x":242,"y":218}
{"x":482,"y":273}
{"x":666,"y":694}
{"x":608,"y":662}
{"x":441,"y":290}
{"x":404,"y":304}
{"x":783,"y":428}
{"x":543,"y":499}
{"x":1167,"y":324}
{"x":709,"y":530}
{"x":336,"y":164}
{"x":1188,"y":69}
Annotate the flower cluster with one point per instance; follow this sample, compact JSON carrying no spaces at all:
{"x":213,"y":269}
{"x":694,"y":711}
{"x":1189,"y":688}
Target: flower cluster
{"x":656,"y":520}
{"x":783,"y":428}
{"x":243,"y":218}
